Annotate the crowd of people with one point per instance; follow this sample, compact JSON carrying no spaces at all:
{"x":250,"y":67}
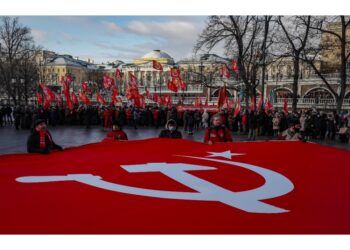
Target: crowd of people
{"x":219,"y":126}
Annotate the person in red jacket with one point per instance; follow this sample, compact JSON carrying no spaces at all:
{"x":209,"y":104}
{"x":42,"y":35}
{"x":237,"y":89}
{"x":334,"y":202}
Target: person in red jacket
{"x":217,"y":132}
{"x":117,"y":133}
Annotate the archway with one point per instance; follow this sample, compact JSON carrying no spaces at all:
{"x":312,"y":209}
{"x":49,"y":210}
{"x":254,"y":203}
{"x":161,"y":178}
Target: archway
{"x":319,"y":93}
{"x":216,"y":93}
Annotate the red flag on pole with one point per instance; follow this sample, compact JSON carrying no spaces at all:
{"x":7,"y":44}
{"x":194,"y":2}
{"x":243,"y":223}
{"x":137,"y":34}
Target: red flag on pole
{"x":83,"y":98}
{"x":85,"y":87}
{"x":100,"y":99}
{"x":46,"y":103}
{"x":107,"y":82}
{"x":157,"y":65}
{"x":49,"y":95}
{"x":234,"y":66}
{"x":132,"y":79}
{"x":175,"y":72}
{"x":285,"y":105}
{"x":69,"y":78}
{"x":268,"y":105}
{"x":222,"y":96}
{"x":237,"y":108}
{"x":118,"y":74}
{"x":74,"y":98}
{"x":39,"y":98}
{"x":114,"y":95}
{"x":172,"y":86}
{"x":224,"y":71}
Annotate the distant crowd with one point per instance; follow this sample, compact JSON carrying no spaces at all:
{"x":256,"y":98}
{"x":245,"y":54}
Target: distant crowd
{"x":309,"y":124}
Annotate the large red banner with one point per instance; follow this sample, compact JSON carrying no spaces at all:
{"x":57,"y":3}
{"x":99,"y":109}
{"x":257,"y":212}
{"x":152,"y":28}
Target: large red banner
{"x":163,"y":186}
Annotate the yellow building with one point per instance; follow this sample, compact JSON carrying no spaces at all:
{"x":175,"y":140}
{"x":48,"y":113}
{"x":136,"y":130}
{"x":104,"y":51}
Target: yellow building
{"x":330,"y":44}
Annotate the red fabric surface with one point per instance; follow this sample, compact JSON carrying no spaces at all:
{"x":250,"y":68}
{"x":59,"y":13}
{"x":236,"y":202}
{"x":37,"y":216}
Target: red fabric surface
{"x":318,"y":204}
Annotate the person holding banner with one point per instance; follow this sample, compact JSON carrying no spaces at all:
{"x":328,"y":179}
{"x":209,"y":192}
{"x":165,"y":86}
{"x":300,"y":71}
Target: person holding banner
{"x":170,"y":130}
{"x":117,"y":133}
{"x":218,"y":132}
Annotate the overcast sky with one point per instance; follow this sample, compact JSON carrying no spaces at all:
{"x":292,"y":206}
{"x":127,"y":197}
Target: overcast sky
{"x":109,"y":38}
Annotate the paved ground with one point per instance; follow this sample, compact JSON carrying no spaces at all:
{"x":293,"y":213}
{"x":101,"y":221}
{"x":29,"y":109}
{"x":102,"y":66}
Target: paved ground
{"x":12,"y":141}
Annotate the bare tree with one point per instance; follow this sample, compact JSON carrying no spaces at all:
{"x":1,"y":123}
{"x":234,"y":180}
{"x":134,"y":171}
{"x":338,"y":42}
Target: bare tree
{"x":296,"y":31}
{"x":28,"y":71}
{"x":16,"y":50}
{"x":248,"y":38}
{"x":336,"y":29}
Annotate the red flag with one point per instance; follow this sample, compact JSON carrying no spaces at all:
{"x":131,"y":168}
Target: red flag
{"x":175,"y":73}
{"x":172,"y":86}
{"x":69,"y":102}
{"x":85,"y":87}
{"x":100,"y":99}
{"x":74,"y":98}
{"x":49,"y":95}
{"x":157,"y":65}
{"x":234,"y":66}
{"x":222,"y":96}
{"x":252,"y":103}
{"x":83,"y":98}
{"x":156,"y":98}
{"x":65,"y":87}
{"x":226,"y":103}
{"x":69,"y":78}
{"x":268,"y":105}
{"x":285,"y":105}
{"x":224,"y":71}
{"x":132,"y":79}
{"x":39,"y":98}
{"x":47,"y":103}
{"x":118,"y":74}
{"x":114,"y":95}
{"x":107,"y":82}
{"x":260,"y":190}
{"x":237,"y":108}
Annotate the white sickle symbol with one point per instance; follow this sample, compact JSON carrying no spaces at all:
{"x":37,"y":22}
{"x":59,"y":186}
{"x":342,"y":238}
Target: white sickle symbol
{"x":250,"y":201}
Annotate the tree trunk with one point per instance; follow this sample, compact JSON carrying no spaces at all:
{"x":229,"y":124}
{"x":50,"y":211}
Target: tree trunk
{"x":296,"y":61}
{"x":246,"y":97}
{"x":343,"y":67}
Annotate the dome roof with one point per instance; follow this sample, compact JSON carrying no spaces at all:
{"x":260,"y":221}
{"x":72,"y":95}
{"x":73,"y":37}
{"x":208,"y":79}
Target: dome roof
{"x":157,"y":54}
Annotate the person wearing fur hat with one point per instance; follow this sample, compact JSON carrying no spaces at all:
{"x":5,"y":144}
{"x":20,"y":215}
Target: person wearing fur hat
{"x":170,"y":130}
{"x":40,"y":139}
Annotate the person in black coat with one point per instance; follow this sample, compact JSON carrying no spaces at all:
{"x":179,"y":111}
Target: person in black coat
{"x":170,"y":131}
{"x":40,"y":140}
